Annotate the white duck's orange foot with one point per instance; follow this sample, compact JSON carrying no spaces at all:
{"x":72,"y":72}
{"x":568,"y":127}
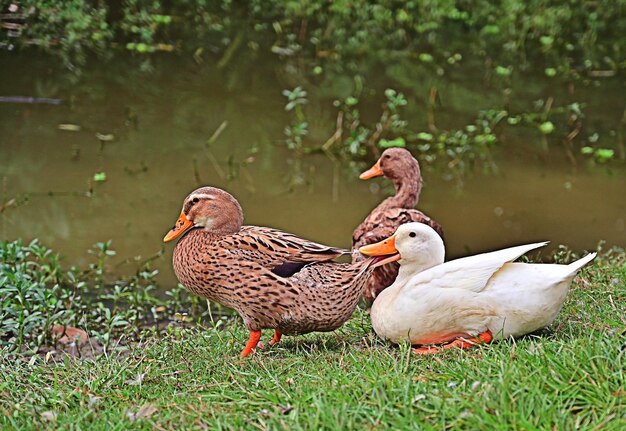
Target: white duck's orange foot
{"x":276,"y":338}
{"x":461,"y":342}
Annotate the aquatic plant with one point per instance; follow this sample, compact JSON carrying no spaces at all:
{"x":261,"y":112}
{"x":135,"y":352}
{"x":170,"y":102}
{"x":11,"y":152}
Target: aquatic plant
{"x":460,"y":150}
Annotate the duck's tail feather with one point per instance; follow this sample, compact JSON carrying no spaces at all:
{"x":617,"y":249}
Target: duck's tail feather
{"x":574,"y":267}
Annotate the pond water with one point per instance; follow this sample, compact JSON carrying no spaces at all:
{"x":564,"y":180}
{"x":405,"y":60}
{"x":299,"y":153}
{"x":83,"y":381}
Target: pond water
{"x":160,"y":124}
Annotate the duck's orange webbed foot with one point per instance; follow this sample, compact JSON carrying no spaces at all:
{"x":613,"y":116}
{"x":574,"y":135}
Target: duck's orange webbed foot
{"x":426,"y":350}
{"x":276,"y":338}
{"x":255,"y":336}
{"x":462,"y":343}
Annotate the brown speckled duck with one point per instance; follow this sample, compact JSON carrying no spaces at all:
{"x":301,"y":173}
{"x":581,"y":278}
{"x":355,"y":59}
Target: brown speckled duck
{"x":273,"y":279}
{"x":398,"y":165}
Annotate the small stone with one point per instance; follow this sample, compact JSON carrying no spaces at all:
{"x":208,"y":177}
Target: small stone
{"x":93,"y":400}
{"x":49,"y":416}
{"x":137,"y":380}
{"x":285,"y":410}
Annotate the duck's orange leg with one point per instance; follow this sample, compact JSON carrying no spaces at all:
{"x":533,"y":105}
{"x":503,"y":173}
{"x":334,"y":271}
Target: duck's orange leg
{"x":276,"y":337}
{"x":463,"y":343}
{"x":255,"y":336}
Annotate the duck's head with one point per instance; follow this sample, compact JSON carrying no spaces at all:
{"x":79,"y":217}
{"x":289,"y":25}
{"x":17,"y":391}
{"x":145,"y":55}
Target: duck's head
{"x":210,"y":208}
{"x":394,"y":163}
{"x":414,"y":245}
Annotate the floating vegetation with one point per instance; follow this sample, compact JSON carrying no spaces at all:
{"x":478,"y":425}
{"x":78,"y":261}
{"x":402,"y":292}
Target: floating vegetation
{"x":100,"y":177}
{"x":69,"y":127}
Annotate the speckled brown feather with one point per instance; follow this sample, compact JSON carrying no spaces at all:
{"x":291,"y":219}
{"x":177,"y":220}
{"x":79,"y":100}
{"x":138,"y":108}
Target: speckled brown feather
{"x":403,"y":170}
{"x":320,"y":297}
{"x":272,"y":247}
{"x":233,"y":267}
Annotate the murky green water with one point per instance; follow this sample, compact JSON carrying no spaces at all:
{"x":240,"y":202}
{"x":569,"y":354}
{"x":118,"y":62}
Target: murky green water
{"x":161,"y":122}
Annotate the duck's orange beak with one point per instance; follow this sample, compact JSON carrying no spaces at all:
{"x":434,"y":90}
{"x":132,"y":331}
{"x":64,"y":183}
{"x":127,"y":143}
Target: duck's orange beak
{"x":372,"y":172}
{"x":385,"y":247}
{"x":182,"y":224}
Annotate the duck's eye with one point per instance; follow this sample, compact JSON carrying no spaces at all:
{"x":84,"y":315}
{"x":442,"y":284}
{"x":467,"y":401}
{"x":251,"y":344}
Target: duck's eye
{"x":412,"y":234}
{"x":195,"y":200}
{"x":387,"y":156}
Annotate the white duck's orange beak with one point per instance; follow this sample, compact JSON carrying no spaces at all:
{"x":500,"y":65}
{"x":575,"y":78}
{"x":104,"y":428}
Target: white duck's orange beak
{"x":182,"y":224}
{"x":372,"y":172}
{"x":382,"y":248}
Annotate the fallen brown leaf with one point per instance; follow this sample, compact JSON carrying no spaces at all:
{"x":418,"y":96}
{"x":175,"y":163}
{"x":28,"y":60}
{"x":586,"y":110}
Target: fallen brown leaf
{"x":144,"y":411}
{"x":68,"y":334}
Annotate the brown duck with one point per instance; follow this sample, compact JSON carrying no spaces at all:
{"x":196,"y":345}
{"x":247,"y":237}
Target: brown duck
{"x":273,"y":279}
{"x":398,"y":165}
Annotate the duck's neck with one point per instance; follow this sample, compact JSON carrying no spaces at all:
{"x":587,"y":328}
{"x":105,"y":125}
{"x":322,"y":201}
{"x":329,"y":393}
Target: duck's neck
{"x":227,"y":222}
{"x":408,"y":185}
{"x":409,"y":269}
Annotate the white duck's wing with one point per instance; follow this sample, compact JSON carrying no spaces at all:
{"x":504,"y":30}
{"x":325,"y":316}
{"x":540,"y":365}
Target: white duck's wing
{"x":469,"y":273}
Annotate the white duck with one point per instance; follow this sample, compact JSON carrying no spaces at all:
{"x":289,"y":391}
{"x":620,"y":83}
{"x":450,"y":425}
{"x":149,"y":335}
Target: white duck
{"x":465,"y":301}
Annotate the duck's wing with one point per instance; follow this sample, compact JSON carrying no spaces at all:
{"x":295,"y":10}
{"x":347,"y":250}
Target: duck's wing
{"x":383,"y":224}
{"x":472,"y":272}
{"x":333,"y":276}
{"x":282,"y":252}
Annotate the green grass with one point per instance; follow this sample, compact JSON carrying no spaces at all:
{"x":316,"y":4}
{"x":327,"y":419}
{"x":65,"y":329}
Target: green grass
{"x":570,"y":376}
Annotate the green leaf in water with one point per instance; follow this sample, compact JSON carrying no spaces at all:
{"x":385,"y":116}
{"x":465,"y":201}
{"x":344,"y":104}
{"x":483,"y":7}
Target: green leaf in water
{"x":425,"y":57}
{"x":576,"y":108}
{"x":490,"y":29}
{"x":546,"y":127}
{"x":550,"y":72}
{"x":398,"y":142}
{"x":604,"y":154}
{"x":514,"y":120}
{"x":586,"y":150}
{"x":504,"y":71}
{"x":100,"y":177}
{"x":546,"y":40}
{"x":402,"y":16}
{"x":162,"y":19}
{"x":389,"y":93}
{"x":351,"y":101}
{"x":425,"y":136}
